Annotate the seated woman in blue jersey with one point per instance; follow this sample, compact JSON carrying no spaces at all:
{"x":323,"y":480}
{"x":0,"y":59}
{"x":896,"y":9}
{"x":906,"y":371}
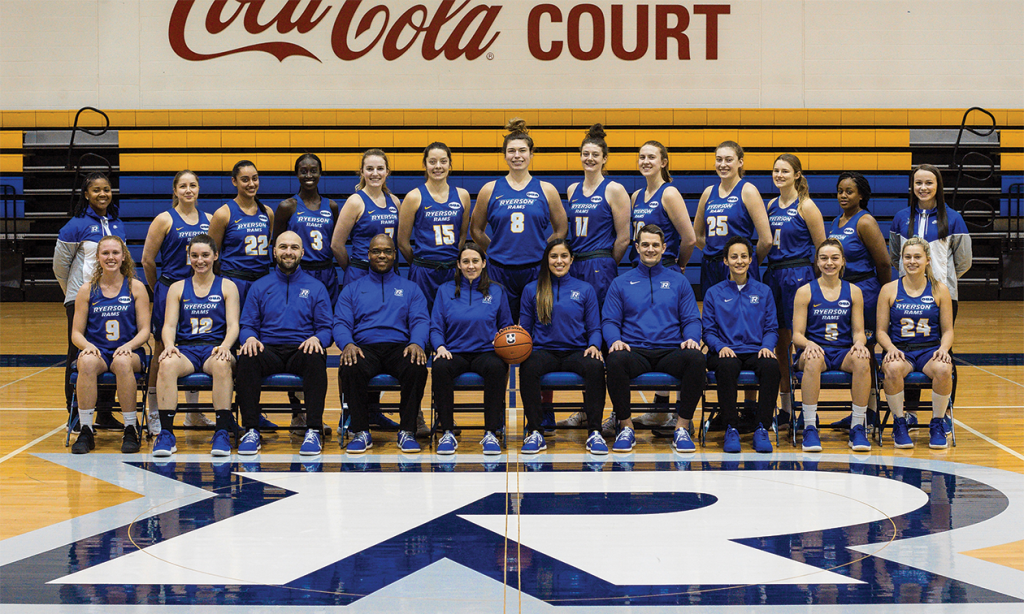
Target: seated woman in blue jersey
{"x":241,"y":228}
{"x":200,"y":330}
{"x":915,"y":328}
{"x":468,"y":312}
{"x":561,"y":314}
{"x":371,"y":211}
{"x":111,"y":325}
{"x":168,"y":239}
{"x":828,"y":331}
{"x":741,"y":330}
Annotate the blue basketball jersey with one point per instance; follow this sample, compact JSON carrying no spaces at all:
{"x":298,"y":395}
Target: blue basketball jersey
{"x":202,"y":320}
{"x":111,"y":321}
{"x":437,"y":226}
{"x":246,"y":245}
{"x":725,"y":218}
{"x":591,"y":227}
{"x":790,"y":237}
{"x":374,"y":221}
{"x":174,"y":261}
{"x":653,"y":212}
{"x":316,"y":229}
{"x":915,"y":319}
{"x":519,"y":222}
{"x":830,"y":323}
{"x":858,"y":258}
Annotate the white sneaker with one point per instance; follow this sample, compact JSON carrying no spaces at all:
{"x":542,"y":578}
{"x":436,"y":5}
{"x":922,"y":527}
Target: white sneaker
{"x":577,"y":419}
{"x":656,"y":419}
{"x":298,"y":420}
{"x":609,"y":425}
{"x":422,"y":430}
{"x":194,"y":418}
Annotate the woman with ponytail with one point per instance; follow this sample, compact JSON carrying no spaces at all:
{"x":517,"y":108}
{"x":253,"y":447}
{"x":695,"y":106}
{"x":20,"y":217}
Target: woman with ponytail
{"x":516,"y":216}
{"x":797,"y":230}
{"x":562,"y":316}
{"x":662,"y":204}
{"x":241,"y":229}
{"x":598,"y":215}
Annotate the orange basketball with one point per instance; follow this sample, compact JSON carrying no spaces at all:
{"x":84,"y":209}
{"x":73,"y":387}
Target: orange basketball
{"x":513,"y":344}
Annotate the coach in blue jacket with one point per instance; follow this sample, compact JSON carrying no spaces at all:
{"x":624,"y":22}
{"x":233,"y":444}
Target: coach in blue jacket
{"x":741,"y":328}
{"x":381,"y":326}
{"x":285,"y":327}
{"x":651,"y":323}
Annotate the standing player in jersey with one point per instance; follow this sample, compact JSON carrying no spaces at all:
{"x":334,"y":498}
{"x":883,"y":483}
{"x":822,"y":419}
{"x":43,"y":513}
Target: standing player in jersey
{"x":828,"y":331}
{"x":436,"y":217}
{"x":797,"y":229}
{"x":662,"y":204}
{"x":948,"y":239}
{"x":241,"y":229}
{"x":915,"y":328}
{"x":867,"y":259}
{"x":168,"y":237}
{"x":371,"y":211}
{"x":312,"y":217}
{"x":111,"y":325}
{"x":598,"y":216}
{"x":516,"y":216}
{"x":733,"y":207}
{"x":199,"y":333}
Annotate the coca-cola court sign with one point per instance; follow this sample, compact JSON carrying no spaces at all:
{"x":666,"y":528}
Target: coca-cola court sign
{"x":452,"y":29}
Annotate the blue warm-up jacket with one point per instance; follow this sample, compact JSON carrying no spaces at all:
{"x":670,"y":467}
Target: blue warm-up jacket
{"x":575,"y":316}
{"x":381,"y":309}
{"x":651,"y":308}
{"x":286,"y":310}
{"x":468,"y":323}
{"x":742,"y":320}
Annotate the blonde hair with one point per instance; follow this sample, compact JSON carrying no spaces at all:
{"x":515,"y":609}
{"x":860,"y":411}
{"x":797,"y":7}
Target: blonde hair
{"x":387,"y":165}
{"x":802,"y":189}
{"x":927,"y":252}
{"x":127,"y":264}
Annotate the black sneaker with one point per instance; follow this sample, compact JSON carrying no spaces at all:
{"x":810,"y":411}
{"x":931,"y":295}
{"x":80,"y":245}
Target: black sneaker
{"x":85,"y":442}
{"x":130,"y":442}
{"x":106,"y":421}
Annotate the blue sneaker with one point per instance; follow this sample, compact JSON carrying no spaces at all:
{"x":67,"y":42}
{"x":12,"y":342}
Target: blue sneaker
{"x":250,"y":443}
{"x":311,"y":444}
{"x":762,"y":442}
{"x":164,"y":445}
{"x":448,"y":444}
{"x":382,"y":422}
{"x":534,"y":443}
{"x":596,"y":444}
{"x":911,"y":419}
{"x":859,"y":439}
{"x":732,"y":441}
{"x":936,"y":436}
{"x":682,"y":442}
{"x":947,"y":426}
{"x":900,"y":436}
{"x":407,"y":442}
{"x":221,"y":445}
{"x":548,"y":424}
{"x":811,"y":443}
{"x":625,"y":441}
{"x":361,"y":442}
{"x":265,"y":424}
{"x":490,"y":443}
{"x":844,"y":423}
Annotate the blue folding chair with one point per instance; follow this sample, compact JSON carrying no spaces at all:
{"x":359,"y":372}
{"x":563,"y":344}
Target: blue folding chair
{"x":108,"y":381}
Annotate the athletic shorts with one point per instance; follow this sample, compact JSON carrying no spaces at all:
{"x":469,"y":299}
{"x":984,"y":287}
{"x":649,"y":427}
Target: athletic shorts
{"x":159,"y":308}
{"x":784,"y":284}
{"x":834,"y":357}
{"x":197,"y":355}
{"x":919,"y":358}
{"x":429,"y":280}
{"x":329,"y":278}
{"x":869,"y":288}
{"x":514,"y":280}
{"x":598,"y":272}
{"x":108,"y":356}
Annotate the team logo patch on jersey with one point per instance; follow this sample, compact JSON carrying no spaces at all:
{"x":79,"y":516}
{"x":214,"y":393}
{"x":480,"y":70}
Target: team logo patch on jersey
{"x":845,"y":304}
{"x":733,"y":199}
{"x":204,"y":227}
{"x":304,"y":293}
{"x":398,"y":292}
{"x":849,"y":231}
{"x":653,"y":204}
{"x":392,"y":209}
{"x":532,"y":195}
{"x":596,"y":199}
{"x":575,"y":295}
{"x":215,"y":298}
{"x":455,"y":205}
{"x":263,"y":218}
{"x":124,"y":300}
{"x":755,"y":300}
{"x":94,"y":228}
{"x":325,"y":213}
{"x":665,"y":285}
{"x":927,"y":299}
{"x":487,"y":300}
{"x":792,"y":212}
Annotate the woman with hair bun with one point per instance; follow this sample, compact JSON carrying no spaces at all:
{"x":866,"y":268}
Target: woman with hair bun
{"x":598,"y":216}
{"x":516,"y":216}
{"x":371,"y":211}
{"x":435,"y":217}
{"x":797,"y":230}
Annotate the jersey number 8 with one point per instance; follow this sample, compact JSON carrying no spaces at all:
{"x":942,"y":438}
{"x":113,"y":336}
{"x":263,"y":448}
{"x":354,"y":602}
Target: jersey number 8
{"x":518,"y":221}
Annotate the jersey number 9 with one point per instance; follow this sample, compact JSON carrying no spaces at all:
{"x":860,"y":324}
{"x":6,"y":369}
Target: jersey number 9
{"x":113,"y":330}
